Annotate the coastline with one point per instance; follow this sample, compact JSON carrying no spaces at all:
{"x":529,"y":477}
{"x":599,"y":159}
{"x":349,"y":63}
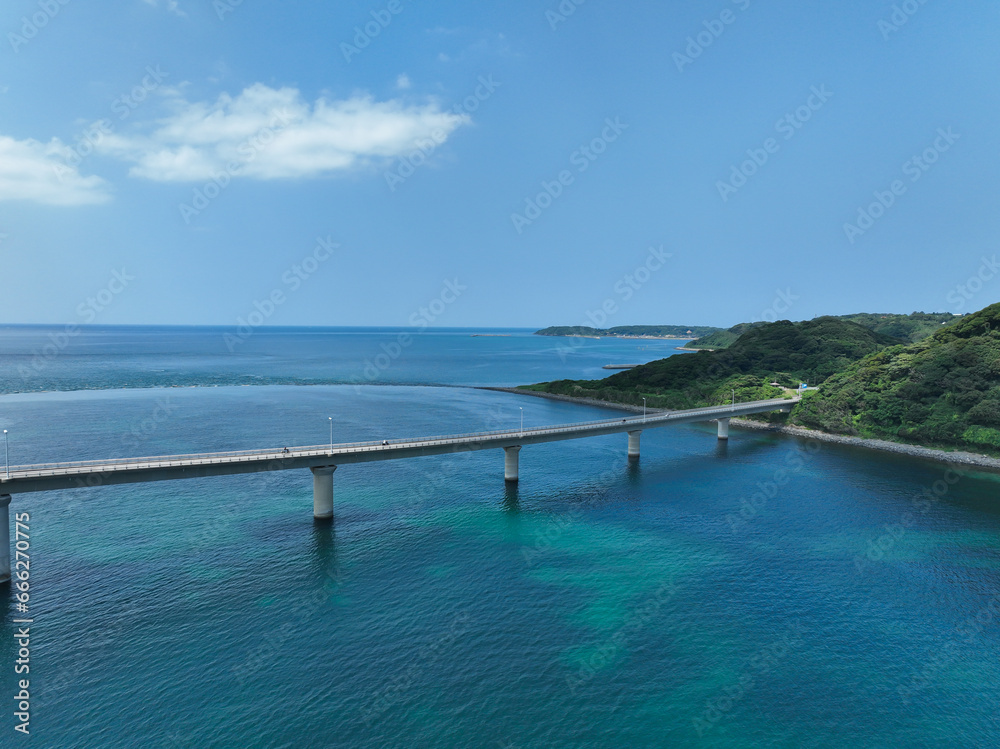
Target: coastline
{"x":616,"y":337}
{"x":572,"y":399}
{"x":929,"y":453}
{"x":960,"y":457}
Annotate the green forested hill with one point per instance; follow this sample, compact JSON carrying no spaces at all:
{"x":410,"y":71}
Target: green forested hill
{"x":944,"y":390}
{"x":911,"y":328}
{"x":724,"y":338}
{"x":906,"y":328}
{"x":784,"y":352}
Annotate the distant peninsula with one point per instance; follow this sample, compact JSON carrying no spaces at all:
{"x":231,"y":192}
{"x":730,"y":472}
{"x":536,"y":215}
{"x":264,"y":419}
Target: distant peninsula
{"x":686,"y":332}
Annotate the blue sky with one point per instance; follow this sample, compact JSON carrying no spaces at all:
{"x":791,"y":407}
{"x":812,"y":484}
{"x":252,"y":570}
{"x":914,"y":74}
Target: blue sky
{"x":496,"y":164}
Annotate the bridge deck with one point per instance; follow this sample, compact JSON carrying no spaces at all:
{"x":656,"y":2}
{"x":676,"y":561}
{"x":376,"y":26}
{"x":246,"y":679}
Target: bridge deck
{"x":49,"y":476}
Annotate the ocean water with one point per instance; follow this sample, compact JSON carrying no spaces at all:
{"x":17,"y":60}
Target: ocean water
{"x":768,"y":592}
{"x":38,"y":358}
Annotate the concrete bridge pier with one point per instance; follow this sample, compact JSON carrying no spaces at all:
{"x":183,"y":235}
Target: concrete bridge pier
{"x":510,"y":463}
{"x":4,"y":538}
{"x":633,"y":445}
{"x":723,"y":429}
{"x":323,"y":492}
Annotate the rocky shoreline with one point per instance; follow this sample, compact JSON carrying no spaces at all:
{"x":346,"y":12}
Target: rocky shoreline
{"x":928,"y":453}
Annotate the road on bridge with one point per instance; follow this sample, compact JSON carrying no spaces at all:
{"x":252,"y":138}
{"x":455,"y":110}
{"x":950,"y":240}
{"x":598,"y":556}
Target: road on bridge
{"x":51,"y":476}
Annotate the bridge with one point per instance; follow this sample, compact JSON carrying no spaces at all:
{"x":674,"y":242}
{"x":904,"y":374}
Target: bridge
{"x":323,"y":460}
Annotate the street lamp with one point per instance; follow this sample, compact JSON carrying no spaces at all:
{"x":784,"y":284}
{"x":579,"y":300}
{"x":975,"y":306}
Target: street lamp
{"x":734,"y":399}
{"x":643,"y":410}
{"x":331,"y":433}
{"x":521,"y":409}
{"x":6,"y":454}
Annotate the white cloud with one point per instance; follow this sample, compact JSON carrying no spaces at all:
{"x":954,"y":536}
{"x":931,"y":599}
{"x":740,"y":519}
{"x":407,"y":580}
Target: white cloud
{"x":266,"y":133}
{"x":403,"y":81}
{"x":39,"y":172}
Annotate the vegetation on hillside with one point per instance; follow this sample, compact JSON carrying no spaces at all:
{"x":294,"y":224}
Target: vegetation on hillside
{"x":944,"y":390}
{"x":724,"y":338}
{"x":906,"y":328}
{"x":910,"y":328}
{"x":784,"y":352}
{"x":673,"y":331}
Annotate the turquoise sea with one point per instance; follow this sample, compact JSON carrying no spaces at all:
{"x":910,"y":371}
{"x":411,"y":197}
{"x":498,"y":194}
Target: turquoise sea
{"x":768,"y":592}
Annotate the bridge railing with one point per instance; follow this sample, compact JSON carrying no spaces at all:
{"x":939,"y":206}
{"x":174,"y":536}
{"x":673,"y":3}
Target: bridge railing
{"x":349,"y":447}
{"x":655,"y":416}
